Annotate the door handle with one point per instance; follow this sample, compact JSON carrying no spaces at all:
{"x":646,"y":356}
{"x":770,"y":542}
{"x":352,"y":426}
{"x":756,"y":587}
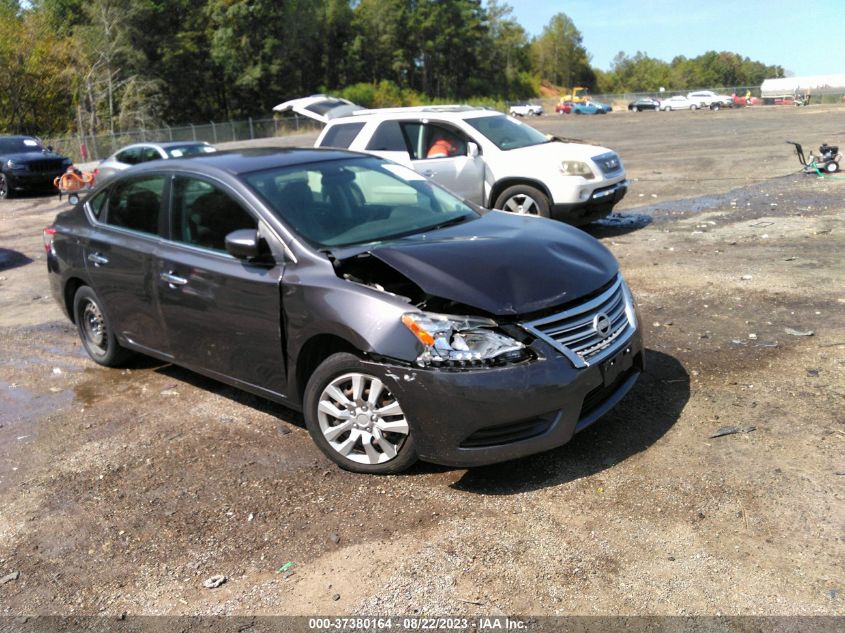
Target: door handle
{"x":428,"y":173}
{"x":98,"y":259}
{"x":172,"y":279}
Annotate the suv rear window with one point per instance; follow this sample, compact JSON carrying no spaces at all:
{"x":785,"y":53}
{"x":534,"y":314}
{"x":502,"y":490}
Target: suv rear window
{"x":388,"y":138}
{"x":341,"y":136}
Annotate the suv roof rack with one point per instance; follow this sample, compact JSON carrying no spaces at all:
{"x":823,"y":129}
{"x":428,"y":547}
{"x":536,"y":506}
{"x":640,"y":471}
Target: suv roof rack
{"x":428,"y":108}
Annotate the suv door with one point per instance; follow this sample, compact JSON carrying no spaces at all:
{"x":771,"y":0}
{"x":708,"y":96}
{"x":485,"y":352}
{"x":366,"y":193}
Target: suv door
{"x":119,"y":258}
{"x":440,"y":152}
{"x":223,"y":314}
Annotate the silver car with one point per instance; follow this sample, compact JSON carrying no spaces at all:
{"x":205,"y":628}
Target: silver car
{"x":139,"y":153}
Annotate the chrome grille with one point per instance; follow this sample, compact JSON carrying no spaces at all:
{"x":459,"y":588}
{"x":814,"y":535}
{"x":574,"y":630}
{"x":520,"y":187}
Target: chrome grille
{"x":578,"y":332}
{"x":609,"y":163}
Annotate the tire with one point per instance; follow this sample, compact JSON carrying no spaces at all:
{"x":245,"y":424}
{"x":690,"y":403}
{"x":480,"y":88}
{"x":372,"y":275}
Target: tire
{"x":331,"y":402}
{"x":832,"y":167}
{"x":667,"y":109}
{"x":523,"y":200}
{"x":5,"y":189}
{"x":693,"y":107}
{"x":94,"y":330}
{"x":635,"y":109}
{"x":715,"y":106}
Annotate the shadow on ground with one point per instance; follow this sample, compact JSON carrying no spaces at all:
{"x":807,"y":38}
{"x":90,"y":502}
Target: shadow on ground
{"x":650,"y":409}
{"x":12,"y":259}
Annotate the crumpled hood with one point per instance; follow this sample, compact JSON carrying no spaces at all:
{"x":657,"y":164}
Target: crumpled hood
{"x":558,"y":151}
{"x":503,"y":264}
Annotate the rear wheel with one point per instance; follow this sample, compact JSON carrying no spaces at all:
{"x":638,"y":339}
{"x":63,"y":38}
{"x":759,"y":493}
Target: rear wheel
{"x":635,"y":109}
{"x":5,"y":189}
{"x":356,"y":419}
{"x":94,"y":330}
{"x":524,"y":200}
{"x":693,"y":107}
{"x":832,"y":167}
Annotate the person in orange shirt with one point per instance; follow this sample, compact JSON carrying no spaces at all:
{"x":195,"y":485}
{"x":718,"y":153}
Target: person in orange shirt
{"x":442,"y":148}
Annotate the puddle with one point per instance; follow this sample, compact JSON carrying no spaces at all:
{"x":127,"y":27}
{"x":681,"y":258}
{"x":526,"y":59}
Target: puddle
{"x":18,"y":404}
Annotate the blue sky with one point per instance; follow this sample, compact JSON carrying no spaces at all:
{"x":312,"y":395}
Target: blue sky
{"x":806,"y":37}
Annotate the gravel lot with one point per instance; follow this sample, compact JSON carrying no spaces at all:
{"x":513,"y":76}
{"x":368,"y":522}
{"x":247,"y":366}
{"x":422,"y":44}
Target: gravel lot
{"x":123,"y":490}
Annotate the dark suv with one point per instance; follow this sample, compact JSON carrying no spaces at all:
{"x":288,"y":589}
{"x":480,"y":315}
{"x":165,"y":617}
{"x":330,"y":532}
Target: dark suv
{"x":403,"y":322}
{"x":26,"y":164}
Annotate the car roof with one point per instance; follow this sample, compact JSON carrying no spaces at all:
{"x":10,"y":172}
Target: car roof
{"x":242,"y":161}
{"x":163,"y":145}
{"x":17,"y":137}
{"x":442,"y":113}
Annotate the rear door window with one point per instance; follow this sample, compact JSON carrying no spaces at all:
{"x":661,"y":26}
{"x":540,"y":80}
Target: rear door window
{"x":135,"y":204}
{"x":149,"y":153}
{"x":388,"y":137}
{"x":203,"y":214}
{"x":341,"y":136}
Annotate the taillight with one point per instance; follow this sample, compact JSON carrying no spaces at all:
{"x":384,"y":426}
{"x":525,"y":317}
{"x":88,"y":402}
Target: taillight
{"x":48,"y":235}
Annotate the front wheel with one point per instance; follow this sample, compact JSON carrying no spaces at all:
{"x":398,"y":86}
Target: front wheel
{"x":5,"y":189}
{"x":356,"y":419}
{"x":95,"y":331}
{"x":524,"y":200}
{"x":635,"y":109}
{"x":693,"y":107}
{"x":832,"y":167}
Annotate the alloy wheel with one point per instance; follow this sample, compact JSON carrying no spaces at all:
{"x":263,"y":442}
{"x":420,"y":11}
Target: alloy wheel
{"x":4,"y":187}
{"x":522,"y":204}
{"x":361,"y":419}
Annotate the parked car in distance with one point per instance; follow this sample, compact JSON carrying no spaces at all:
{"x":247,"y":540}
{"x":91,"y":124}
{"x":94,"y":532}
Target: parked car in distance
{"x":402,"y":321}
{"x":526,"y":109}
{"x":138,"y":153}
{"x":678,"y":102}
{"x":482,"y":155}
{"x":646,"y":103}
{"x":563,"y":107}
{"x":25,"y":164}
{"x":709,"y":99}
{"x":591,"y":107}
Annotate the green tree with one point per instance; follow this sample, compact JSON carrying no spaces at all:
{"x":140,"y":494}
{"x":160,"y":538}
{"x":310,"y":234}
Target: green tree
{"x":559,"y":55}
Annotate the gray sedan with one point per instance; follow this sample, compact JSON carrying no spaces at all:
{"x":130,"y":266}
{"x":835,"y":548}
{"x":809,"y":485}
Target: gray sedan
{"x":139,"y":153}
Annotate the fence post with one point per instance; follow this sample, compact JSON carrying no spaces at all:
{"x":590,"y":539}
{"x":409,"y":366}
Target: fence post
{"x":214,"y":130}
{"x":251,"y":133}
{"x":232,"y":124}
{"x":275,"y":126}
{"x":193,"y":131}
{"x":169,"y":132}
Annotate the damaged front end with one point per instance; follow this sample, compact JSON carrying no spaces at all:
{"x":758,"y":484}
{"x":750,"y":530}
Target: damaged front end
{"x":463,"y":338}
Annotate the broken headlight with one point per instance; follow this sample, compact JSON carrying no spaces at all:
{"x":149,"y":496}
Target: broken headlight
{"x":462,"y":341}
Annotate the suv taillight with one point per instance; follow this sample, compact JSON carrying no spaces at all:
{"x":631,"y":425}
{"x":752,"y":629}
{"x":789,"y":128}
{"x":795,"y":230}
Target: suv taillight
{"x":48,"y":235}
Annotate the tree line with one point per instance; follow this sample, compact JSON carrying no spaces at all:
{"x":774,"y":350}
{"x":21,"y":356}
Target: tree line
{"x":107,"y":65}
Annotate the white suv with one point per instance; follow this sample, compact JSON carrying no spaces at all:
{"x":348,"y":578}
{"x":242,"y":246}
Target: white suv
{"x":709,"y":99}
{"x":480,"y":154}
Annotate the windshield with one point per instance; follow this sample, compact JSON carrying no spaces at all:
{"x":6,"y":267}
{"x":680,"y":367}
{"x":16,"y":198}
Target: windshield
{"x":16,"y":145}
{"x":356,"y":201}
{"x":189,"y":149}
{"x":507,"y":133}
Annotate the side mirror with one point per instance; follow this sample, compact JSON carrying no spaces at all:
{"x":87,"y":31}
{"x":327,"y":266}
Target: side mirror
{"x":472,"y":150}
{"x":73,"y":199}
{"x":243,"y":244}
{"x":49,"y":148}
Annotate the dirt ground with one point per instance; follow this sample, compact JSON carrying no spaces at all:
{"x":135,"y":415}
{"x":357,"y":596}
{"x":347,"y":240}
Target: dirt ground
{"x":123,"y":490}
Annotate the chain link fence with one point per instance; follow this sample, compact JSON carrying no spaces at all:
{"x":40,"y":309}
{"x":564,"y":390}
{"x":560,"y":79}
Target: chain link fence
{"x":85,"y":147}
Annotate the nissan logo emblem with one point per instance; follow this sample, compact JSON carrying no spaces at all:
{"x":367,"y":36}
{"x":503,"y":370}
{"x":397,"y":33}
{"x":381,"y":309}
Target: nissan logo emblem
{"x":601,"y":324}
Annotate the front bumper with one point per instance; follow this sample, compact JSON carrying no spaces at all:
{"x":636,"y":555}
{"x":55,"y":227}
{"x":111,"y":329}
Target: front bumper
{"x":477,"y":417}
{"x":598,"y":205}
{"x":23,"y":180}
